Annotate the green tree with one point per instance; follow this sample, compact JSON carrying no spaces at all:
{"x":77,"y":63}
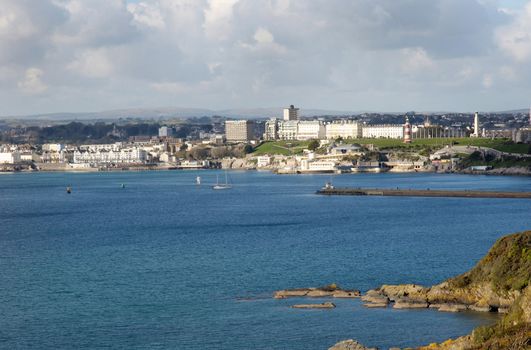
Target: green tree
{"x":313,"y":145}
{"x":248,"y":149}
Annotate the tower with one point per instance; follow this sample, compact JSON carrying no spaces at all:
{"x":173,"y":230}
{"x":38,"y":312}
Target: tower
{"x":476,"y":125}
{"x":407,"y":131}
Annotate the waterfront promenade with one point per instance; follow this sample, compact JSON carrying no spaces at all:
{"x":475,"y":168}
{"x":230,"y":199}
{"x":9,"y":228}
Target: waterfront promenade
{"x":421,"y":193}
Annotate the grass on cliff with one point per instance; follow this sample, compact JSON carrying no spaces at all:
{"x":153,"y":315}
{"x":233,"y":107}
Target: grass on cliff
{"x":285,"y":148}
{"x":296,"y":147}
{"x":503,"y":145}
{"x":513,"y":331}
{"x":507,"y":265}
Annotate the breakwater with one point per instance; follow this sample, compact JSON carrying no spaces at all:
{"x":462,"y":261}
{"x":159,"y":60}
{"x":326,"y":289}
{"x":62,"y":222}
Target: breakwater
{"x":421,"y":193}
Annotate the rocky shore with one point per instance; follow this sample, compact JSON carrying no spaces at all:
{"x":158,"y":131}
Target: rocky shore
{"x":500,"y":282}
{"x":331,"y":290}
{"x":512,"y":171}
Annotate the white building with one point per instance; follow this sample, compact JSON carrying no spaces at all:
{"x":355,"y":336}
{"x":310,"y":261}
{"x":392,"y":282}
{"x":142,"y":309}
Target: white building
{"x":310,"y":129}
{"x":388,"y":131}
{"x":287,"y":130}
{"x":164,"y":131}
{"x":347,"y":129}
{"x":239,"y":130}
{"x":9,"y":157}
{"x":53,"y":147}
{"x":129,"y":155}
{"x":117,"y":146}
{"x":291,"y":113}
{"x":263,"y":161}
{"x":326,"y":166}
{"x":166,"y":157}
{"x":271,"y":129}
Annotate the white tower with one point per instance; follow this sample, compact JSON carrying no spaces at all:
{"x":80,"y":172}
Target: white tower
{"x":476,"y":125}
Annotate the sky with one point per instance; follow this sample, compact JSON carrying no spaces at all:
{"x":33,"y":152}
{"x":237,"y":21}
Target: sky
{"x":352,"y":55}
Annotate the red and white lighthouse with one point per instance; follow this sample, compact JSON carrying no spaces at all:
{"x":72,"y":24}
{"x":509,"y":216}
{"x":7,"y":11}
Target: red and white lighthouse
{"x":407,"y":131}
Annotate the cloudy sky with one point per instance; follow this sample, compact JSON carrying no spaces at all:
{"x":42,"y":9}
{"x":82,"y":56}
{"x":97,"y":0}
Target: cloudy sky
{"x":381,"y":55}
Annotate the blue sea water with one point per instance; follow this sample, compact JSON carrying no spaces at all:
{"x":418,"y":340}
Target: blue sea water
{"x":165,"y":264}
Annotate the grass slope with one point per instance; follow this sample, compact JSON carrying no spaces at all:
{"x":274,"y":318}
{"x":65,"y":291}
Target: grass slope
{"x":285,"y":148}
{"x":507,"y":265}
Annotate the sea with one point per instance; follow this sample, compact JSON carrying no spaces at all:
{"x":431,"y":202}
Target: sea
{"x":163,"y":263}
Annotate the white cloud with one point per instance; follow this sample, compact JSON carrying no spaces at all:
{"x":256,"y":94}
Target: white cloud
{"x":515,"y":38}
{"x":359,"y":54}
{"x":31,"y":83}
{"x":416,"y":60}
{"x":147,"y":15}
{"x":218,"y":15}
{"x":92,"y":64}
{"x":263,"y":36}
{"x":487,"y":81}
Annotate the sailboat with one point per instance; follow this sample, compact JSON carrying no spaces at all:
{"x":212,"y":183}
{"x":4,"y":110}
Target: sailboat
{"x":221,"y":186}
{"x":198,"y":180}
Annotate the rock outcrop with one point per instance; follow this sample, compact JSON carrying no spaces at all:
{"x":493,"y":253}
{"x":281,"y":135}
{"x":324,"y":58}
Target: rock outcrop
{"x":501,"y":282}
{"x":327,"y":305}
{"x":350,"y":344}
{"x":492,"y":285}
{"x":331,"y":290}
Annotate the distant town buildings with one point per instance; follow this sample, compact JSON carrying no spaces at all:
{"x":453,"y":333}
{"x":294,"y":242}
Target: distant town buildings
{"x":239,"y":130}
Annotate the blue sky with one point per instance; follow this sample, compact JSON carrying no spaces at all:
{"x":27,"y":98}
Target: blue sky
{"x":381,"y":55}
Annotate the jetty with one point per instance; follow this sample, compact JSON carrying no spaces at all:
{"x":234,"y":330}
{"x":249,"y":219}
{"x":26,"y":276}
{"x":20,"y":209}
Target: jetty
{"x":333,"y":191}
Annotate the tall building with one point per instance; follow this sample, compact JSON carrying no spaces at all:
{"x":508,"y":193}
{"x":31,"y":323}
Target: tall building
{"x":164,"y":131}
{"x":476,"y":126}
{"x":239,"y":130}
{"x":291,"y":113}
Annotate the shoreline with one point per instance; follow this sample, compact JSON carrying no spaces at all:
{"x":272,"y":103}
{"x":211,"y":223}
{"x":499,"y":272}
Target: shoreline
{"x":526,"y":173}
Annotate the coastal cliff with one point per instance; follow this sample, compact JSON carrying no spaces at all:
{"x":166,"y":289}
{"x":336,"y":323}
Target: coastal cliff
{"x":500,"y":282}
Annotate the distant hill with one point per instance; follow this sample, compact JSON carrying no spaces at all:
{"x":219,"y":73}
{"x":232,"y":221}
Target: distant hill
{"x":184,"y":113}
{"x":176,"y":112}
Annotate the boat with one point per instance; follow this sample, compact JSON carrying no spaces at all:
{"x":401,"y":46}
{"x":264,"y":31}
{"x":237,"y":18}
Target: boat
{"x":123,"y":185}
{"x":198,"y":180}
{"x":221,"y":186}
{"x":69,"y":190}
